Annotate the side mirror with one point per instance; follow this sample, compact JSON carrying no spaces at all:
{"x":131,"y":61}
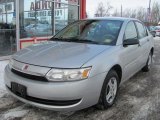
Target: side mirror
{"x":133,"y":41}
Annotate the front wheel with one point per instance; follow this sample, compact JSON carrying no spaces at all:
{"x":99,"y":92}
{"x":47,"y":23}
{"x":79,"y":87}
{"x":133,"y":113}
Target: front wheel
{"x":109,"y":90}
{"x":147,"y":67}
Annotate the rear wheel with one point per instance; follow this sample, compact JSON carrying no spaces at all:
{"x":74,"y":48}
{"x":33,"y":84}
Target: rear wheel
{"x":109,"y":90}
{"x":147,"y":67}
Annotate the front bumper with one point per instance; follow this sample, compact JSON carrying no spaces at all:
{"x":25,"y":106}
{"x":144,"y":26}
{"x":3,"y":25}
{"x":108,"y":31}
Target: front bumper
{"x":86,"y":92}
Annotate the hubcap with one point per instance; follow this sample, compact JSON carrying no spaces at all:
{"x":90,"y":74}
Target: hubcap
{"x":111,"y":90}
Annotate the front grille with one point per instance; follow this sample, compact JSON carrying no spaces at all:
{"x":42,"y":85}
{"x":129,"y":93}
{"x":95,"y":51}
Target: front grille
{"x":28,"y":76}
{"x":49,"y":102}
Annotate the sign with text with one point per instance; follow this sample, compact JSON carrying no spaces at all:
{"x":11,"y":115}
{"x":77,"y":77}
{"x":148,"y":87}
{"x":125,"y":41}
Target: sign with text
{"x":45,"y":5}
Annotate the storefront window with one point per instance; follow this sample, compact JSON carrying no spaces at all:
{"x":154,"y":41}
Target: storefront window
{"x":65,"y":15}
{"x":7,"y":27}
{"x":35,"y":18}
{"x":39,"y":19}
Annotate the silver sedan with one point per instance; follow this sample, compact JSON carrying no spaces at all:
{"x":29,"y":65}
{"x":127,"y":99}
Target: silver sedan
{"x":83,"y":65}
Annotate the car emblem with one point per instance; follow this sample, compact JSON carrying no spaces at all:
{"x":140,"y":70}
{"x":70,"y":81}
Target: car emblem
{"x":25,"y":67}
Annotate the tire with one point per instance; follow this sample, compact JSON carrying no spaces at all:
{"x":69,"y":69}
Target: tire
{"x":147,"y":67}
{"x":109,"y":92}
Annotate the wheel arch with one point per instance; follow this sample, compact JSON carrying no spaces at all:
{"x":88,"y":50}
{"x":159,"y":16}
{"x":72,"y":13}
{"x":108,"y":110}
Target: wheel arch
{"x":152,"y":50}
{"x":118,"y":70}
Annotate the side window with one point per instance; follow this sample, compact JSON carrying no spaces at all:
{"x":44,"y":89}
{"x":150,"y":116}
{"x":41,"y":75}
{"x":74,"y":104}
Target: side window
{"x":130,"y":32}
{"x":141,"y":30}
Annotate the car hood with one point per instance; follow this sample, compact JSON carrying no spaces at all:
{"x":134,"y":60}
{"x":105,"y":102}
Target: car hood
{"x":59,"y":54}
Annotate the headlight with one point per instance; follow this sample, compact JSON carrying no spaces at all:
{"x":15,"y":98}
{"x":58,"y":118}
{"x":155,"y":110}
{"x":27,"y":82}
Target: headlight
{"x":68,"y":74}
{"x":11,"y":62}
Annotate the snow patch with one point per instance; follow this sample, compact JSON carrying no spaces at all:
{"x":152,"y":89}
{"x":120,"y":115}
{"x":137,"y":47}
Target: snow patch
{"x":143,"y":112}
{"x":18,"y":112}
{"x":2,"y":86}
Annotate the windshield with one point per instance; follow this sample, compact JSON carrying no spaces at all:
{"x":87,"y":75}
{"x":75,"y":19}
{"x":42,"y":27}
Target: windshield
{"x":91,"y":31}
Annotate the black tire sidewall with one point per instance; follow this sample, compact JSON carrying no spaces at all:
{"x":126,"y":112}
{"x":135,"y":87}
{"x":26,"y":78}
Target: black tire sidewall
{"x":147,"y":68}
{"x":104,"y":102}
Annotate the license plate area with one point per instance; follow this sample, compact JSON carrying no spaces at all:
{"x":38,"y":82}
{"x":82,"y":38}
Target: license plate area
{"x":19,"y":89}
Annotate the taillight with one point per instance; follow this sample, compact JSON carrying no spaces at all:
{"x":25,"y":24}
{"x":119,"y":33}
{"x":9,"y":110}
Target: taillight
{"x":157,"y":30}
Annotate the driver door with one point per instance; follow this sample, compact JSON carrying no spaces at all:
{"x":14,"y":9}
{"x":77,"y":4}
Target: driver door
{"x":131,"y":53}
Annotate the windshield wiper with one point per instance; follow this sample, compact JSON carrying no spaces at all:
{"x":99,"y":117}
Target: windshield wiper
{"x":75,"y":40}
{"x":53,"y":38}
{"x":85,"y":41}
{"x":59,"y":39}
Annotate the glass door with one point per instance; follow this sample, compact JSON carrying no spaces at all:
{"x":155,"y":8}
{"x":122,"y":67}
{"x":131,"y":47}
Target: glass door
{"x":66,"y":12}
{"x":7,"y":27}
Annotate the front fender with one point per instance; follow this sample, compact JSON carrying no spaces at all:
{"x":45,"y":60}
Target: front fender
{"x":104,"y":61}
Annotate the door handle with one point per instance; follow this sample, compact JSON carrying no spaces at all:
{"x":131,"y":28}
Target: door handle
{"x":148,"y":40}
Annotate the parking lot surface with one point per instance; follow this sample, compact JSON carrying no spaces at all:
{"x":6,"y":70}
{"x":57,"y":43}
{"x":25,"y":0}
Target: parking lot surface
{"x":138,"y":99}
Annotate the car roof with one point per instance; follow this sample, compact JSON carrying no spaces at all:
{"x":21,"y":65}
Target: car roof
{"x":112,"y":18}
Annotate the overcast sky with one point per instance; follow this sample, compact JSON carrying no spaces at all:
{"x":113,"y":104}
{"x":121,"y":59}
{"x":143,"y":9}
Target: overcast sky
{"x":92,"y":4}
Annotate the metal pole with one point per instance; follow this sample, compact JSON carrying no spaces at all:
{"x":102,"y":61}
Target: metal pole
{"x":121,"y":11}
{"x":17,"y":25}
{"x":149,"y":6}
{"x":35,"y":10}
{"x":53,"y":17}
{"x":149,"y":14}
{"x":6,"y":13}
{"x":54,"y":21}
